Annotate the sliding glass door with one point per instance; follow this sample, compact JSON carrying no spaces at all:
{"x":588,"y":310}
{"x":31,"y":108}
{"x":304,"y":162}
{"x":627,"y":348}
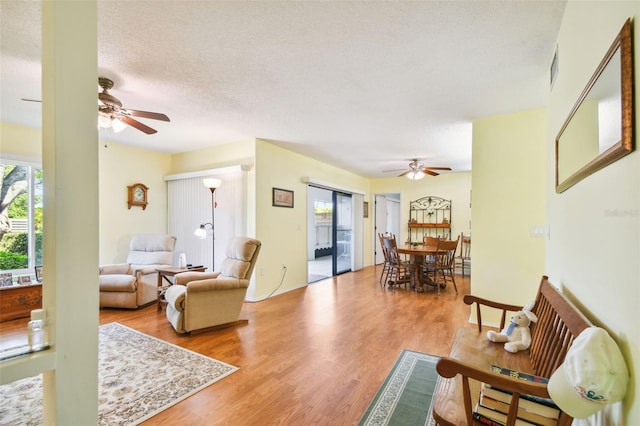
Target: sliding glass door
{"x":343,"y":229}
{"x":330,"y":233}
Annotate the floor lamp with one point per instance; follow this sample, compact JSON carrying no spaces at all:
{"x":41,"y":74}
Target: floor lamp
{"x":212,"y":184}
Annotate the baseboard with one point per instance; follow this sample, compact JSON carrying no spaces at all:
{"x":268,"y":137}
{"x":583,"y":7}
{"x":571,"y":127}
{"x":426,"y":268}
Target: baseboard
{"x":278,"y":292}
{"x":472,"y":320}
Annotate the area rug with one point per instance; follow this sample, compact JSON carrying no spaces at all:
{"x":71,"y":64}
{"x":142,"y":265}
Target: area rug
{"x":138,"y":377}
{"x":405,"y":397}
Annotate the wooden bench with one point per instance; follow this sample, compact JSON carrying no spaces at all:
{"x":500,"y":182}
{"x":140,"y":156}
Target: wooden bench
{"x":471,"y":355}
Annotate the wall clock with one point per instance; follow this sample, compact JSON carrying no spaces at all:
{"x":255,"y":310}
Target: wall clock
{"x":138,"y":195}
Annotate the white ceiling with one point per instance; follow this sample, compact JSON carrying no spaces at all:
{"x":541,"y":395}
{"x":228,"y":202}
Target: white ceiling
{"x":363,"y":85}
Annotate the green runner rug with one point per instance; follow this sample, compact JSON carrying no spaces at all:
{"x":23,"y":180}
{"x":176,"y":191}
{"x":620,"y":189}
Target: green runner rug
{"x":406,"y":394}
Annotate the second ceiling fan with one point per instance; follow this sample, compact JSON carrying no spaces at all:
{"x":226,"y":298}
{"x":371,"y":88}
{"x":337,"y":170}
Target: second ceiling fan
{"x":417,"y":170}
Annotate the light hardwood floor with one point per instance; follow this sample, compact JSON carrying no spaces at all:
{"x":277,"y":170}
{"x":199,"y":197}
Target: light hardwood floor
{"x":312,"y":356}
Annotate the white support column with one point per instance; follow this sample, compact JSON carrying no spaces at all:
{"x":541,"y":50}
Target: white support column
{"x":70,"y":164}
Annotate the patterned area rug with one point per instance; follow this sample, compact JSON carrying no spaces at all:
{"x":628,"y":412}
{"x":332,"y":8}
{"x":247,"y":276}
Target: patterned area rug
{"x":138,"y":377}
{"x":405,"y":396}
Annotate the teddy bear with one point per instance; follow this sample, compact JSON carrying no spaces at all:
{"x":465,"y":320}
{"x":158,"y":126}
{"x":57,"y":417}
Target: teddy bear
{"x":517,"y":334}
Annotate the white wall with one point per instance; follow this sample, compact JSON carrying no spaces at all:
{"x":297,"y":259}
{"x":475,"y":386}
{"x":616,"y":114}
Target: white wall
{"x":594,"y":249}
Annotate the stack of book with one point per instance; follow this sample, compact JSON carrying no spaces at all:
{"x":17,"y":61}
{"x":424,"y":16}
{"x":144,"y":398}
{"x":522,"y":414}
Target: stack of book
{"x":493,"y":404}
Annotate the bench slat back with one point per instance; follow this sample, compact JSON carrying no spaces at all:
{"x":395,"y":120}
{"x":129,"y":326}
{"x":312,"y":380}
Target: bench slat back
{"x":559,"y":321}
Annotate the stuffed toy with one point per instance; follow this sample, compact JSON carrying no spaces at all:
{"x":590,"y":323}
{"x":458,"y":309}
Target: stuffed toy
{"x":517,"y":334}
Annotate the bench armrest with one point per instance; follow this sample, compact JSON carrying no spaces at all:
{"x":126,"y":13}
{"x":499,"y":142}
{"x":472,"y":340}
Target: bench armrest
{"x":469,"y":299}
{"x":449,"y":368}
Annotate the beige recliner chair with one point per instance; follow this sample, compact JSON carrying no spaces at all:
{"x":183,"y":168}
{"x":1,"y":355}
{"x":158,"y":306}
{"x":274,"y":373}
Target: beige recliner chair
{"x":135,"y":283}
{"x":200,"y":300}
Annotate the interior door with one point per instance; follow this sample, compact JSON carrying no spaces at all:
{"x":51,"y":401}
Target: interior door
{"x":387,"y":211}
{"x":381,"y":225}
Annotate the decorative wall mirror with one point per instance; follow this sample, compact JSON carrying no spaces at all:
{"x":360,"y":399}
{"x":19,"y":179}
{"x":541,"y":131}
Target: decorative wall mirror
{"x":599,"y":129}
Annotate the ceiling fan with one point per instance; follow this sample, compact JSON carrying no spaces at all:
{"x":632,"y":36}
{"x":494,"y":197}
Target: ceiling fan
{"x":111,"y":114}
{"x":417,"y":170}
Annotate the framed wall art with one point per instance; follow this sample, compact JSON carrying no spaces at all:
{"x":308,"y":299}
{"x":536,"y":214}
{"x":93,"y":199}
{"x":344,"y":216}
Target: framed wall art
{"x":282,"y":198}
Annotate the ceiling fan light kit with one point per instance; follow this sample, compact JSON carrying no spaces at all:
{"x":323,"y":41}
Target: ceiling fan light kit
{"x":415,"y":175}
{"x":105,"y":122}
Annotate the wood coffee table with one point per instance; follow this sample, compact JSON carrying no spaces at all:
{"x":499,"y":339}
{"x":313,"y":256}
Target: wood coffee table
{"x":165,"y":273}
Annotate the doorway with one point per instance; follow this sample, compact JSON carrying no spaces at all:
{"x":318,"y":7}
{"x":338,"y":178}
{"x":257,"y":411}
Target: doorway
{"x":329,"y":233}
{"x":387,"y":221}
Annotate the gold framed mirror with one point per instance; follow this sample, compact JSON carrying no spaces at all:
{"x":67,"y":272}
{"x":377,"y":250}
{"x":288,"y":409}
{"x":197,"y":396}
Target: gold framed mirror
{"x":599,"y":128}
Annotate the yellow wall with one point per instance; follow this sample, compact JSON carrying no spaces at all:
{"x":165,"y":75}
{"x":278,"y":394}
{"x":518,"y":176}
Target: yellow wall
{"x":121,"y":166}
{"x":508,"y":183}
{"x":283,"y":230}
{"x":453,"y":186}
{"x":21,"y":141}
{"x":230,"y":154}
{"x":594,"y":249}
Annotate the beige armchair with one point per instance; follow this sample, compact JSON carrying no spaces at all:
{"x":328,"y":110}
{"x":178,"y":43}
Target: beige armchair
{"x":135,"y":283}
{"x":200,"y":300}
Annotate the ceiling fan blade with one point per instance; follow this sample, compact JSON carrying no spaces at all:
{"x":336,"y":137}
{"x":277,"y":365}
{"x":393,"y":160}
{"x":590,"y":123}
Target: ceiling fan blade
{"x":408,"y":171}
{"x":437,"y":168}
{"x":30,"y":100}
{"x":147,"y":114}
{"x":429,"y":172}
{"x":393,"y":170}
{"x":138,"y":125}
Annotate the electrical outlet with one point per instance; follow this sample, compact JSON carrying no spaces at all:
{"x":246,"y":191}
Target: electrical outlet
{"x":537,"y":231}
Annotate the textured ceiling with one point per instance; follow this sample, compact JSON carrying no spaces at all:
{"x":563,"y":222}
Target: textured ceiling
{"x":363,"y":85}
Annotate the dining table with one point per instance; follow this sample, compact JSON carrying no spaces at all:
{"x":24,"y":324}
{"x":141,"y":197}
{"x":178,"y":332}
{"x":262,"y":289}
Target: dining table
{"x":417,"y":254}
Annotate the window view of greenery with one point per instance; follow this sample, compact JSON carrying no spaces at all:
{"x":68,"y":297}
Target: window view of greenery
{"x":20,"y":217}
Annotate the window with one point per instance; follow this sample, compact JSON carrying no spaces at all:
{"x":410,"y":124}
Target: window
{"x":21,"y":209}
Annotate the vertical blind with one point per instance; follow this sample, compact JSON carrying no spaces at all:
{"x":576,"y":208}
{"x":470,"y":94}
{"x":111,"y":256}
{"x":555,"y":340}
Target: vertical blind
{"x":189,"y":206}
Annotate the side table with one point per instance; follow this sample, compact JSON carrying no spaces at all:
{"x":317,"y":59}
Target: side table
{"x":165,"y":273}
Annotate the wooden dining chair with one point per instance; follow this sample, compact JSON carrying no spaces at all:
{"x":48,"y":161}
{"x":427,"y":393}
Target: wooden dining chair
{"x":463,"y":258}
{"x":399,"y":269}
{"x":386,"y":264}
{"x":428,"y":264}
{"x":444,"y":265}
{"x":430,"y":241}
